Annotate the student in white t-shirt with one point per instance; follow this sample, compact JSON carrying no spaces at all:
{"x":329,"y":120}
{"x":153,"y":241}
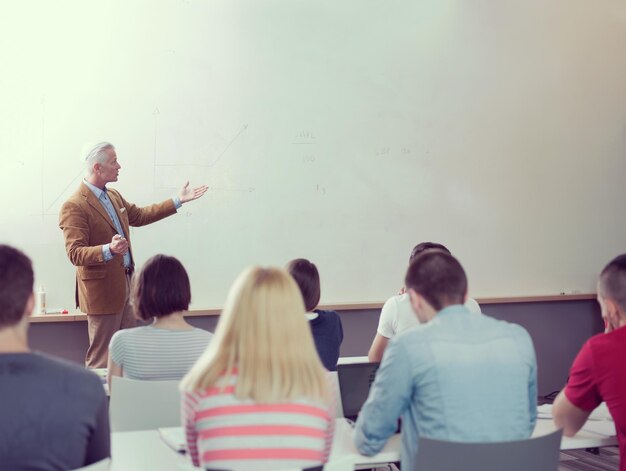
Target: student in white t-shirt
{"x":397,"y":315}
{"x":167,"y":348}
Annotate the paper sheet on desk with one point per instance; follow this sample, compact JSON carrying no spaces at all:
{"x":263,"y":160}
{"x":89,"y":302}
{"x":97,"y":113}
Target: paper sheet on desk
{"x":599,"y":413}
{"x":601,"y":427}
{"x":174,"y":437}
{"x":544,"y":411}
{"x":599,"y":421}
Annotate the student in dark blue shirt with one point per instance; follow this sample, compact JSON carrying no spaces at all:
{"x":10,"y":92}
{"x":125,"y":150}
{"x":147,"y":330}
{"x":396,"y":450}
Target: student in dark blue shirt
{"x":53,"y":414}
{"x":325,"y":325}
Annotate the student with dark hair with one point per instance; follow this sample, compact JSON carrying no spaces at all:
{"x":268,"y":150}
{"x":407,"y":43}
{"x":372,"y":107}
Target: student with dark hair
{"x":53,"y":414}
{"x":599,"y":370}
{"x":168,"y":347}
{"x":397,"y":315}
{"x":441,"y":378}
{"x":325,"y":325}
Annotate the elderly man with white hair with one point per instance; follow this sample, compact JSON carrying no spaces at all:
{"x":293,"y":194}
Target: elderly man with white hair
{"x":95,"y":222}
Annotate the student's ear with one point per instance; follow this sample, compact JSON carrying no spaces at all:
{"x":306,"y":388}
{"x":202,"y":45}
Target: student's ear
{"x":416,"y":300}
{"x":30,"y":305}
{"x":422,"y":309}
{"x":612,"y":313}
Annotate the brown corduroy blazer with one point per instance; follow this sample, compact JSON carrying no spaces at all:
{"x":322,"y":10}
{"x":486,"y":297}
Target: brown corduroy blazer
{"x":86,"y":226}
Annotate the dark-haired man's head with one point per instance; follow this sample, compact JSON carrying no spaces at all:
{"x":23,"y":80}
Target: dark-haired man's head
{"x":425,"y":246}
{"x":612,"y":292}
{"x":161,"y":288}
{"x":308,"y":280}
{"x":16,"y":293}
{"x":435,"y":280}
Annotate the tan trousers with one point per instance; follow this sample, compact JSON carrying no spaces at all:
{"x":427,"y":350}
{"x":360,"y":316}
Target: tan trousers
{"x":101,"y":328}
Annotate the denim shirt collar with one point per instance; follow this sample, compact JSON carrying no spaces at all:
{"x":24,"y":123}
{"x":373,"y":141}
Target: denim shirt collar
{"x":451,"y":310}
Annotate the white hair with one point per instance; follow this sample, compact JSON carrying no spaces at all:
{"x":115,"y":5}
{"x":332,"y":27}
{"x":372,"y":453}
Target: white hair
{"x":95,"y":154}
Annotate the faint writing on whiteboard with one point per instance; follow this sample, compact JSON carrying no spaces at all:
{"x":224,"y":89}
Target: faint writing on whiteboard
{"x":304,"y":138}
{"x":305,"y":135}
{"x":384,"y":151}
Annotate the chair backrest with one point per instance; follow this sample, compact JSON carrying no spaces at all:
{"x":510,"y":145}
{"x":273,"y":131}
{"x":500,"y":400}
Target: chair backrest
{"x":143,"y":405}
{"x":102,"y":465}
{"x":537,"y":454}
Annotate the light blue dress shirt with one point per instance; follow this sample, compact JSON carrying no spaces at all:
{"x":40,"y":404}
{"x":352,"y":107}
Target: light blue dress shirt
{"x":460,"y":377}
{"x":104,"y":199}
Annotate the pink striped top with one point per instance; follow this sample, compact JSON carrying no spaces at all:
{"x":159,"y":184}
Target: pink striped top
{"x":224,"y":432}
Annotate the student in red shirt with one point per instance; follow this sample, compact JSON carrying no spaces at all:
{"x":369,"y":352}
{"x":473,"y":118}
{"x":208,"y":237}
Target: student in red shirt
{"x":599,"y":371}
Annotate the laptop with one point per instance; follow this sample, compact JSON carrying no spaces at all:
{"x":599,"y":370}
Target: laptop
{"x":355,"y":380}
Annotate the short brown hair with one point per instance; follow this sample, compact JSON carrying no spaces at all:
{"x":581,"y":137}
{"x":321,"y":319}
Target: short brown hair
{"x":424,"y":246}
{"x":308,"y":279}
{"x":161,"y":288}
{"x":16,"y":285}
{"x":438,"y":277}
{"x":612,"y":283}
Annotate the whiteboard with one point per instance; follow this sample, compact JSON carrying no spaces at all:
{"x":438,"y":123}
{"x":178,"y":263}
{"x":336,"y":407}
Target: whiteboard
{"x":340,"y":131}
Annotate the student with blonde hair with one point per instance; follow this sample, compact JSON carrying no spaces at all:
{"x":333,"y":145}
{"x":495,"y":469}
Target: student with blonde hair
{"x":258,"y":398}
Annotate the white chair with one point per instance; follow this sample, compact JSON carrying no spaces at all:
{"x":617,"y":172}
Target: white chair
{"x":143,"y":405}
{"x":536,"y":454}
{"x":333,"y":379}
{"x":102,"y":465}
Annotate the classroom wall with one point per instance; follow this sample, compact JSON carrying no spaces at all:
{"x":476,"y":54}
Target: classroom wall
{"x":341,"y":131}
{"x":558,"y":330}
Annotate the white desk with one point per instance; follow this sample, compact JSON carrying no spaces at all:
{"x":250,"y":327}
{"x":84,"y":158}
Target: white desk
{"x":351,"y":360}
{"x":582,"y":439}
{"x":145,"y":450}
{"x":344,"y":445}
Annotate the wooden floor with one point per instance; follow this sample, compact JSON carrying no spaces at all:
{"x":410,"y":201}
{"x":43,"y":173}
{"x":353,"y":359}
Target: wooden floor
{"x":580,"y":460}
{"x":606,"y":460}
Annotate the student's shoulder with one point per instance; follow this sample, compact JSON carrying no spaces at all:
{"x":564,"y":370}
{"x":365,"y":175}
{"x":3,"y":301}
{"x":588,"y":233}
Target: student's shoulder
{"x":328,"y":316}
{"x":395,"y":306}
{"x":508,"y":328}
{"x":200,"y":333}
{"x":611,"y":341}
{"x":73,"y":374}
{"x":396,"y":300}
{"x":472,"y":305}
{"x":134,"y":332}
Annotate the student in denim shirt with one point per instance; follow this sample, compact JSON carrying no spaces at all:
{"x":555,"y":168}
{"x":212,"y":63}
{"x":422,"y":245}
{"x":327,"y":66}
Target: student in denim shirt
{"x":456,"y":377}
{"x":397,"y":314}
